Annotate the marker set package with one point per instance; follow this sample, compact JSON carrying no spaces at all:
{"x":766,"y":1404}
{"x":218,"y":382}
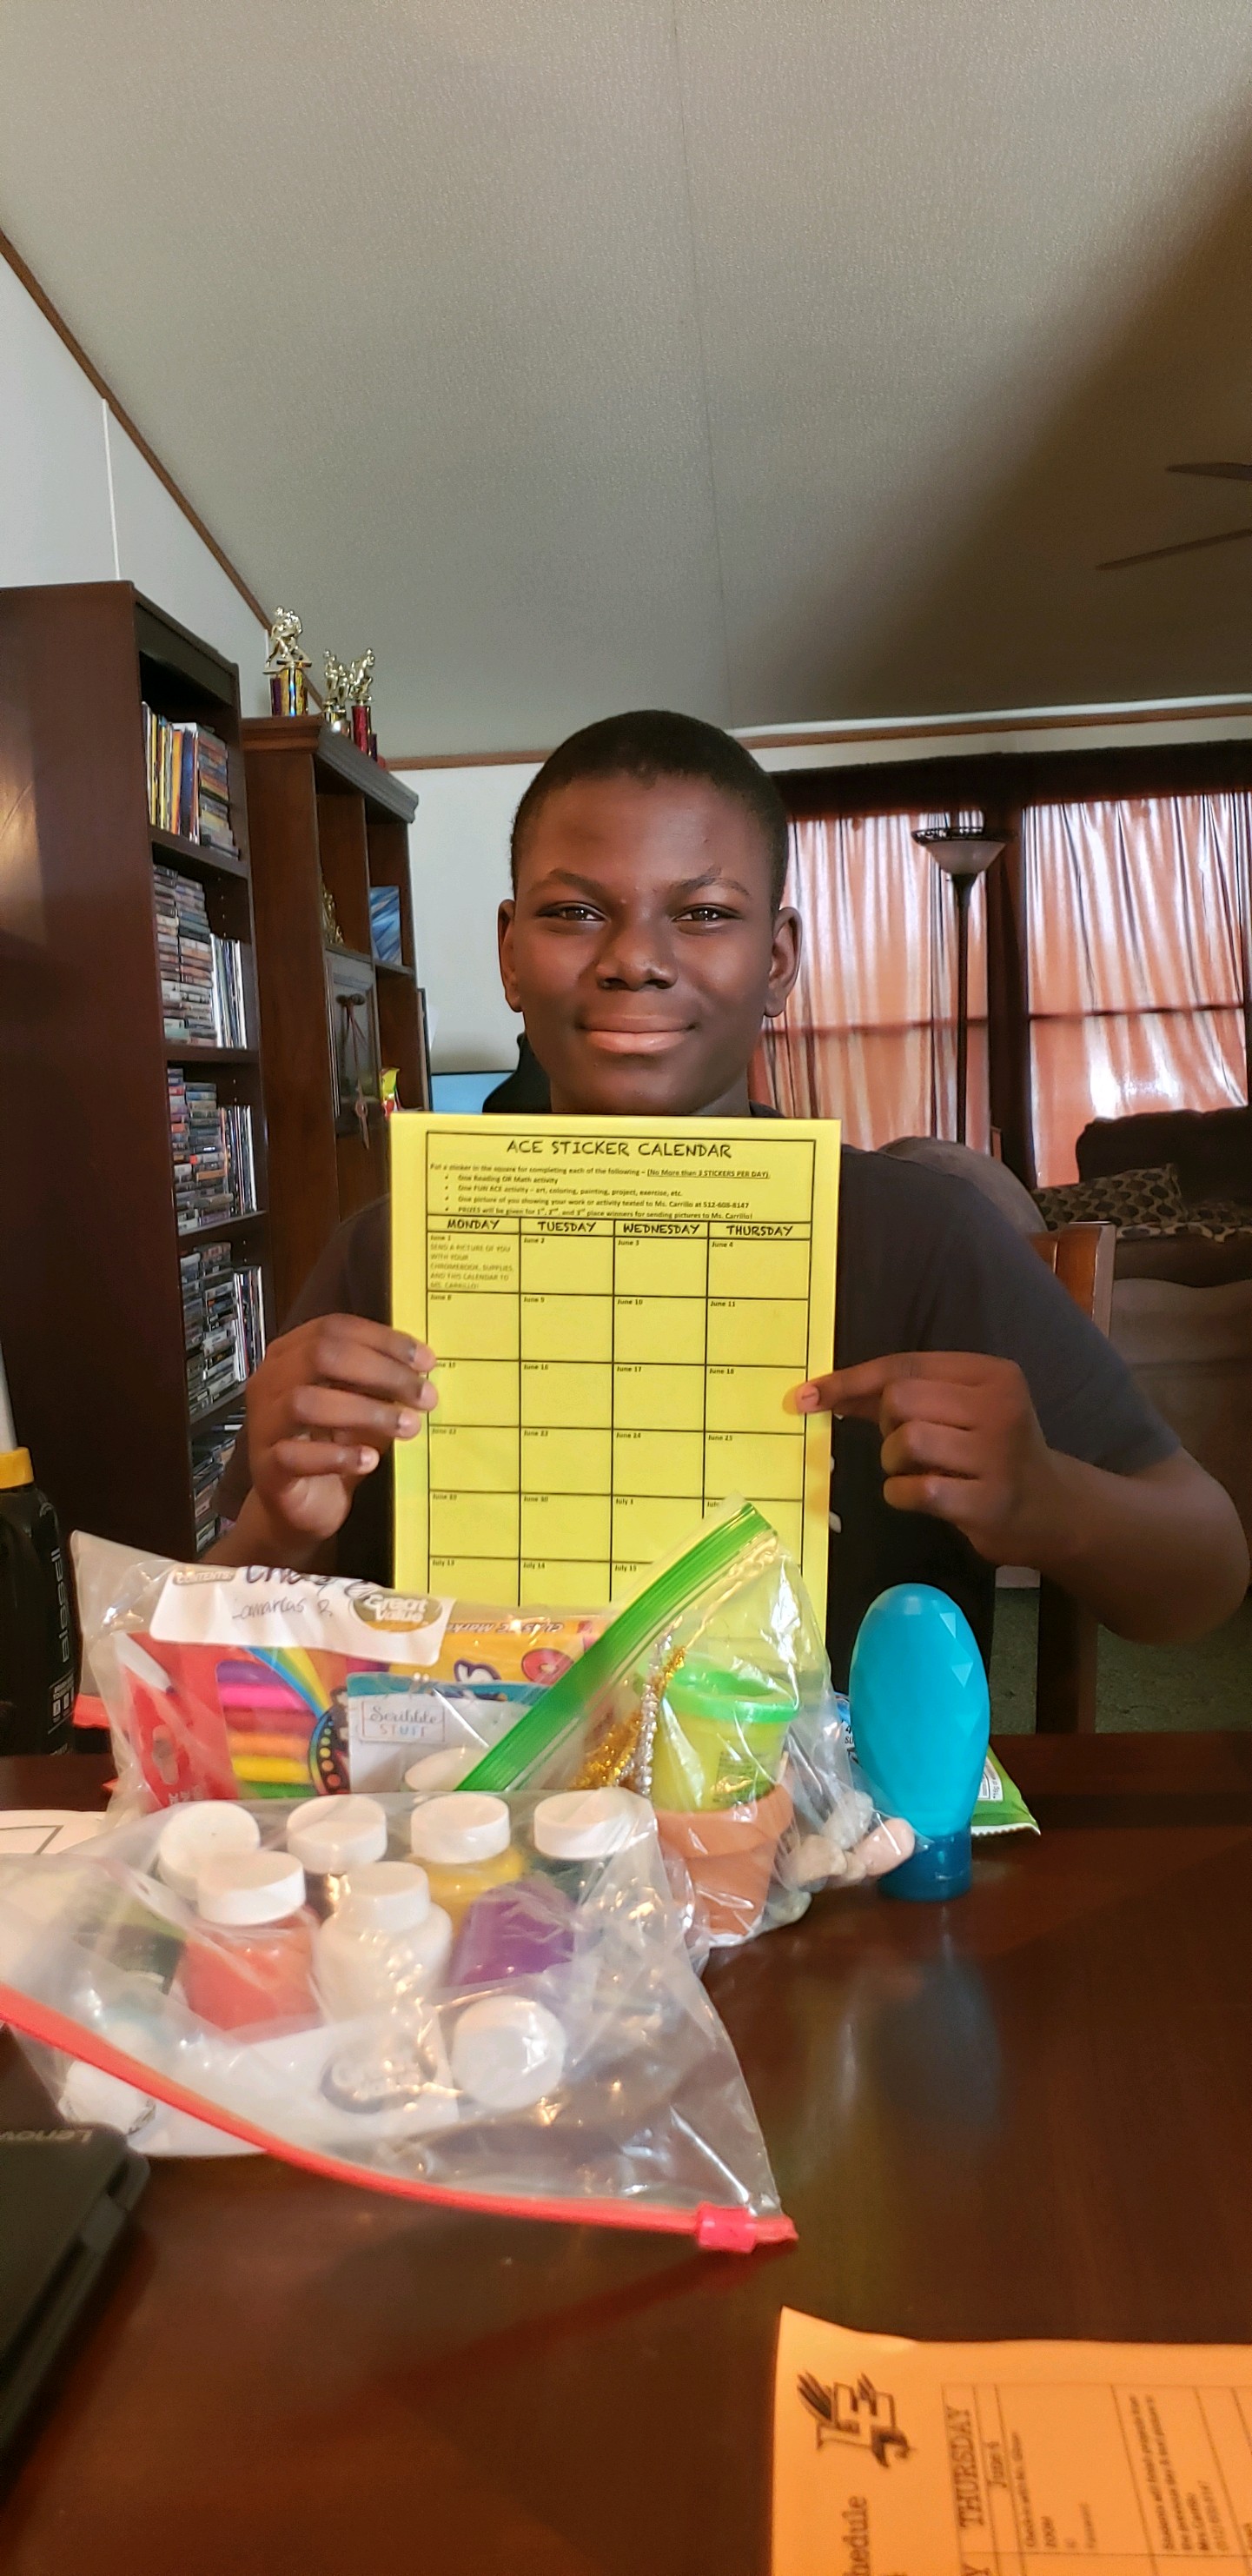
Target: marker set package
{"x":481,"y":2002}
{"x":226,"y":1681}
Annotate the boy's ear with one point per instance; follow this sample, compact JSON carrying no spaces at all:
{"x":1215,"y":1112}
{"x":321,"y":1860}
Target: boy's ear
{"x":504,"y":943}
{"x":784,"y":963}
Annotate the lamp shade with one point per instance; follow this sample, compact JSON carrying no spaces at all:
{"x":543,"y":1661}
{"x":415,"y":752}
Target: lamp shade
{"x":962,"y":853}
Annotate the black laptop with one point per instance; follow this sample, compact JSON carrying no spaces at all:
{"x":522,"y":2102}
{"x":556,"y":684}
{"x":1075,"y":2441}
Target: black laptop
{"x":66,"y":2196}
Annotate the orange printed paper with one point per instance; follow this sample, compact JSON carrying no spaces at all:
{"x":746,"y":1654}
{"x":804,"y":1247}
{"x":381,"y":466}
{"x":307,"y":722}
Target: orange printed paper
{"x":894,"y":2458}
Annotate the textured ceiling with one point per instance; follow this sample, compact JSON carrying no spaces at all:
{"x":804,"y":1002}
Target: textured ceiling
{"x":781,"y":362}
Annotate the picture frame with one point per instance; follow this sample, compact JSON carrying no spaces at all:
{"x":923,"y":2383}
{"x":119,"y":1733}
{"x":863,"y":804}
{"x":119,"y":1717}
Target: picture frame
{"x":386,"y":925}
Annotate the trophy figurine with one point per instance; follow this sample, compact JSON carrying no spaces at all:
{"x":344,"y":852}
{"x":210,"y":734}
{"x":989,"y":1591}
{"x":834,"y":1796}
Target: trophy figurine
{"x":360,"y":683}
{"x":332,"y":935}
{"x":286,"y":665}
{"x":336,"y":710}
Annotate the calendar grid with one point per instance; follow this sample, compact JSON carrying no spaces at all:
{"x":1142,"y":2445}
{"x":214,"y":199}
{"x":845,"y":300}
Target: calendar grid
{"x":618,"y":1519}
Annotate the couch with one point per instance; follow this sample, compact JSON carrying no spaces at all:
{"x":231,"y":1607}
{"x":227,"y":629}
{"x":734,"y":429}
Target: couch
{"x":1182,"y":1295}
{"x":1211,"y":1151}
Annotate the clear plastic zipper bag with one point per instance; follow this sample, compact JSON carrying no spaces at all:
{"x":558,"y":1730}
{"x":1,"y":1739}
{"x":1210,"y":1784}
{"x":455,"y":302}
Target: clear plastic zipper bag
{"x":496,"y":2011}
{"x":709,"y":1693}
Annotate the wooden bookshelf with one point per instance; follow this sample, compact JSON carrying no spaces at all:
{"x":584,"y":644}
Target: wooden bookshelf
{"x":195,"y":859}
{"x":91,"y":1321}
{"x":322,"y":813}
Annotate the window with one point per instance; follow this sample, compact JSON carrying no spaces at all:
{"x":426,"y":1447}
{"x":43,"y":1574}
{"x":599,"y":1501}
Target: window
{"x":1137,"y":936}
{"x":869,"y":1034}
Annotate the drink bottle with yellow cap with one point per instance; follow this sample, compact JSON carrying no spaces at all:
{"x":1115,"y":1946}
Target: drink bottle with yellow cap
{"x":38,"y":1643}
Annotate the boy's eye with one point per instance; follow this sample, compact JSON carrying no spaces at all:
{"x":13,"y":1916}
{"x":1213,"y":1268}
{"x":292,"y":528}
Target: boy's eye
{"x":569,"y":912}
{"x":708,"y":912}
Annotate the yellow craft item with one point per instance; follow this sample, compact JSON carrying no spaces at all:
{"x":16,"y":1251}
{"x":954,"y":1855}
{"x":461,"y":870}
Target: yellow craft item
{"x":274,"y":1772}
{"x":271,"y":1748}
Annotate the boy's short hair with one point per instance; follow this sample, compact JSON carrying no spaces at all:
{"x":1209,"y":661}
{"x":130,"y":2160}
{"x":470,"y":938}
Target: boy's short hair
{"x":650,"y":743}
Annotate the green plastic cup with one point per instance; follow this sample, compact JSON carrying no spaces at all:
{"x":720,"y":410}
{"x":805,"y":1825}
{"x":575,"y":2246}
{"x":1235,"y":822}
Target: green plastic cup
{"x":719,"y":1738}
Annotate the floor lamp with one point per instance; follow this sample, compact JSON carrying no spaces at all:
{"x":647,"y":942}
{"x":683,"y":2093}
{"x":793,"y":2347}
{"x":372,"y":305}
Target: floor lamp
{"x":965,"y":851}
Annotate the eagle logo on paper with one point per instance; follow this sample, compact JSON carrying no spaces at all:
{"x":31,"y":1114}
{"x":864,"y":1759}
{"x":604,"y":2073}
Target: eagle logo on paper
{"x":864,"y":2417}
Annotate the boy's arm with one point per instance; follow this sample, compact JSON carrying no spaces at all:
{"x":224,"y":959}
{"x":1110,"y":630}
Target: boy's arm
{"x":1158,"y":1553}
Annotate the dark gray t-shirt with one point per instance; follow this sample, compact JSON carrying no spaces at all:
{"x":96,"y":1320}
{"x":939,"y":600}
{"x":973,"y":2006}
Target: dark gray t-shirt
{"x":926,"y":1263}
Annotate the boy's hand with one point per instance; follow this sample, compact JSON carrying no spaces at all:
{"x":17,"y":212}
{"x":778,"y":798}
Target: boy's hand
{"x":325,"y":1403}
{"x":960,"y":1439}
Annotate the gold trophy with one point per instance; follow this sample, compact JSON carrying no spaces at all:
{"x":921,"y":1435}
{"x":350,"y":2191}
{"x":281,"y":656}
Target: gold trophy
{"x":337,"y":706}
{"x":286,"y":665}
{"x":332,"y":935}
{"x":360,"y":683}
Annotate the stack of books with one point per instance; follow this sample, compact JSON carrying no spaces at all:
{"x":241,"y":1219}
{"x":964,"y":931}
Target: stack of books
{"x":223,"y":1323}
{"x":212,"y":791}
{"x":240,"y":1163}
{"x":230,"y":1015}
{"x":188,"y":781}
{"x":180,"y":1146}
{"x":185,"y":955}
{"x":209,"y":1452}
{"x":214,"y":1165}
{"x":250,"y":1317}
{"x":202,"y":979}
{"x":210,"y":1316}
{"x":201,"y":1195}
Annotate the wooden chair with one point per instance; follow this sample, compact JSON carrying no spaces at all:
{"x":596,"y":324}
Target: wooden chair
{"x":1081,"y":1258}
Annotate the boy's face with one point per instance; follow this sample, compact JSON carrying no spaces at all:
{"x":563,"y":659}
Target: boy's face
{"x":641,"y":949}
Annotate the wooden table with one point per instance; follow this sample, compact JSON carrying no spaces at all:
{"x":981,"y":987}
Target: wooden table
{"x":1028,"y":2113}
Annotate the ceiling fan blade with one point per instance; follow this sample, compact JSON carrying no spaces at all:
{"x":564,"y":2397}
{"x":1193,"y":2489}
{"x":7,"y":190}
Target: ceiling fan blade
{"x":1223,"y":473}
{"x":1189,"y":546}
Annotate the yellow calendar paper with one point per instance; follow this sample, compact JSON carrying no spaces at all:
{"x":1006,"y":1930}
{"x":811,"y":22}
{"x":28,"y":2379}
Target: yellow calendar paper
{"x":894,"y":2458}
{"x":621,"y":1309}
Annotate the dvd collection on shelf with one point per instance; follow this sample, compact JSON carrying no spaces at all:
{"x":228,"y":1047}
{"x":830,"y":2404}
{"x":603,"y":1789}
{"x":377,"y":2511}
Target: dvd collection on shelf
{"x":210,"y":1450}
{"x":204,"y":1004}
{"x":188,"y":781}
{"x":202,"y":977}
{"x":223,"y":1323}
{"x":214,"y":1166}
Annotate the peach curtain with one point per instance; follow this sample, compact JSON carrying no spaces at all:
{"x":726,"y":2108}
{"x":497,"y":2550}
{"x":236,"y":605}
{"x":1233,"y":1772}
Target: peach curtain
{"x":869,"y":1034}
{"x":1136,"y":926}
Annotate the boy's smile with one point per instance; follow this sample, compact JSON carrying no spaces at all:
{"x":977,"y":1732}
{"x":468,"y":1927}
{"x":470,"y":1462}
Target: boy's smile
{"x":642,"y":947}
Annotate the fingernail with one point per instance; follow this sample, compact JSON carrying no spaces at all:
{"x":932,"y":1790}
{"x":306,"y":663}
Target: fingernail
{"x":407,"y":1424}
{"x":367,"y":1460}
{"x":805,"y":1399}
{"x":428,"y":1397}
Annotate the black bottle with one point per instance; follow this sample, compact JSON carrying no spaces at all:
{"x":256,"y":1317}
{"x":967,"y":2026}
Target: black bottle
{"x":38,"y":1636}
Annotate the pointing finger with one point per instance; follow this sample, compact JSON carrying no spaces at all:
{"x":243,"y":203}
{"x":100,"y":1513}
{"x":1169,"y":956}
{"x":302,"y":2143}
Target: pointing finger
{"x":858,"y":1391}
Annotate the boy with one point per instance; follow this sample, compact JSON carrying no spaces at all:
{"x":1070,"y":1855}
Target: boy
{"x":982,"y":1419}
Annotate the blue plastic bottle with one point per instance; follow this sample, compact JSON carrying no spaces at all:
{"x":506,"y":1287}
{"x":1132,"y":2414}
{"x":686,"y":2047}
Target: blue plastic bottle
{"x":920,"y":1720}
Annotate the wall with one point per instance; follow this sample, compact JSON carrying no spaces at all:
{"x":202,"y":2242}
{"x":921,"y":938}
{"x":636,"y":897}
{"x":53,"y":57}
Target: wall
{"x":78,"y":502}
{"x":459,"y":844}
{"x":459,"y":841}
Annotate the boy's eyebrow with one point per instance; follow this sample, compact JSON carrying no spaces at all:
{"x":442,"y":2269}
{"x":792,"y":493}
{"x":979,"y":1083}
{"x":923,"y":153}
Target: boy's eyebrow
{"x":682,"y":886}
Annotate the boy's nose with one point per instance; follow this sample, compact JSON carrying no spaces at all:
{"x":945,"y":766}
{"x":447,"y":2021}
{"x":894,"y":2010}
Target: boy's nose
{"x":635,"y":954}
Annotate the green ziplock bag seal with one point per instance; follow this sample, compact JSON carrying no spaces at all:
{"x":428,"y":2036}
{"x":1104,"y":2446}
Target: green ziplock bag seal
{"x":614,"y":1650}
{"x":1000,"y":1807}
